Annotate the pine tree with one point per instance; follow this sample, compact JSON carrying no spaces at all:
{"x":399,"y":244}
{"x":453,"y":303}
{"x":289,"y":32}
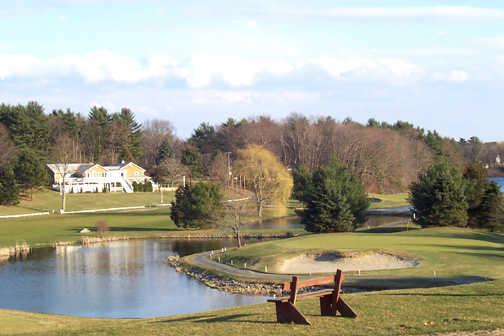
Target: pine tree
{"x":97,"y":133}
{"x":9,"y":191}
{"x":439,"y":196}
{"x":197,"y":206}
{"x":335,"y":200}
{"x":131,"y":146}
{"x":29,"y":169}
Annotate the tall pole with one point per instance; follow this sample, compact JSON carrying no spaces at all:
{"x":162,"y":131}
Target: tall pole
{"x":228,"y":167}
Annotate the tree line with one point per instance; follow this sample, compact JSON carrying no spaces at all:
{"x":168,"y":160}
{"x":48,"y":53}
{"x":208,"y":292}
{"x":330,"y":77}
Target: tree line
{"x":385,"y":157}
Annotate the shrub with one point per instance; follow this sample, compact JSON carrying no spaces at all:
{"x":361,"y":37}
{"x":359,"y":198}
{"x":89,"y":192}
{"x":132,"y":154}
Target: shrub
{"x":439,"y":196}
{"x":102,"y":227}
{"x":335,"y":200}
{"x":197,"y":206}
{"x":484,"y":198}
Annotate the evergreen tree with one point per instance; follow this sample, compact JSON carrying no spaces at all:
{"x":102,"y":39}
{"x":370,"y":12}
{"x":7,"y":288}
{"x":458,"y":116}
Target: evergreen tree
{"x":97,"y":133}
{"x":335,"y":200}
{"x":484,"y":198}
{"x":131,"y":145}
{"x":490,"y":213}
{"x":439,"y":196}
{"x":165,"y":151}
{"x":204,"y":138}
{"x":28,"y":125}
{"x":9,"y":191}
{"x":476,"y":180}
{"x":197,"y":206}
{"x":30,"y":169}
{"x":302,"y":180}
{"x":192,"y":159}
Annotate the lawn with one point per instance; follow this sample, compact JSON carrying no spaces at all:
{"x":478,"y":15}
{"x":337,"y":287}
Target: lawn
{"x":454,"y":252}
{"x":476,"y":253}
{"x":149,"y":222}
{"x":54,"y":228}
{"x":388,"y":200}
{"x":49,"y":200}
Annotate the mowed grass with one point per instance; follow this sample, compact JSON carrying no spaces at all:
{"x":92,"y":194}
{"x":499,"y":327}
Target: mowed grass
{"x":48,"y":200}
{"x":43,"y":230}
{"x":388,"y":200}
{"x":476,"y":306}
{"x":445,"y":252}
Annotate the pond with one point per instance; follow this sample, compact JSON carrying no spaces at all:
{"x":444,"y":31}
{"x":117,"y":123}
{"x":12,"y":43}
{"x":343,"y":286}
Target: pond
{"x":120,"y":279}
{"x":500,"y":181}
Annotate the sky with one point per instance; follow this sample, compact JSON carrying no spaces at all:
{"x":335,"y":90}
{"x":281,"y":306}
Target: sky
{"x":437,"y":64}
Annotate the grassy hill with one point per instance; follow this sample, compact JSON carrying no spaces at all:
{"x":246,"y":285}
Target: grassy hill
{"x":455,"y":252}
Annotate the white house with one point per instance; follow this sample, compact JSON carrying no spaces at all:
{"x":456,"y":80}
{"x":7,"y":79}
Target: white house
{"x":92,"y":177}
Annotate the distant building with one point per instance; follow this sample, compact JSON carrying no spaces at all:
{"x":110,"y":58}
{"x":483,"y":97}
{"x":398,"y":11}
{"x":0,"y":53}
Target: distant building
{"x":92,"y":177}
{"x":498,"y":161}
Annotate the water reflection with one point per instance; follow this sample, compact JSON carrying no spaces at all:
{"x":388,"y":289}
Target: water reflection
{"x":120,"y":279}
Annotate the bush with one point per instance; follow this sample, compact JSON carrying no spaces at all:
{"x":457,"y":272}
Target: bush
{"x":197,"y":206}
{"x":439,"y":197}
{"x":102,"y":227}
{"x":335,"y":200}
{"x":484,"y":198}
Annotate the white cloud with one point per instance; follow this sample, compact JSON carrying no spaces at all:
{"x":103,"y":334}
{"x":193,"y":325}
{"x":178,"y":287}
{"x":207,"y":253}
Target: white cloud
{"x":412,"y":12}
{"x":451,"y":76}
{"x":17,"y":65}
{"x":376,"y":68}
{"x":209,"y":71}
{"x":493,"y":42}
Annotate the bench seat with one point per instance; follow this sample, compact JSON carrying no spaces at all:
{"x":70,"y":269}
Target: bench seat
{"x":319,"y":293}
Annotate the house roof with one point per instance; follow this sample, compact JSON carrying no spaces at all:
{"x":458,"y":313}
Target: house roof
{"x":69,"y":168}
{"x":72,"y":168}
{"x":122,"y":165}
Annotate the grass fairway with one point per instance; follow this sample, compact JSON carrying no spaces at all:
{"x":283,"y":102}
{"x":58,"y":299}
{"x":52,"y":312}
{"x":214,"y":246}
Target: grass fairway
{"x":388,"y":200}
{"x":453,"y":252}
{"x":450,"y":252}
{"x":49,"y":200}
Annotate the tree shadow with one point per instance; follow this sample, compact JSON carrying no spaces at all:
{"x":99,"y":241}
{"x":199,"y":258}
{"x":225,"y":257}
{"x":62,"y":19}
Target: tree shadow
{"x":138,"y":229}
{"x":444,"y":294}
{"x":483,"y":255}
{"x":391,"y":229}
{"x":378,"y":284}
{"x":217,"y":319}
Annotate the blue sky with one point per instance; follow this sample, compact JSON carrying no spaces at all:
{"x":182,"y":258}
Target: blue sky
{"x":438,"y":64}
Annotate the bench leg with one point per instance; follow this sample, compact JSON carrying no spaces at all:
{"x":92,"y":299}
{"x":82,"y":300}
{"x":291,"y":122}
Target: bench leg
{"x":344,"y":309}
{"x":326,"y":306}
{"x":288,"y":313}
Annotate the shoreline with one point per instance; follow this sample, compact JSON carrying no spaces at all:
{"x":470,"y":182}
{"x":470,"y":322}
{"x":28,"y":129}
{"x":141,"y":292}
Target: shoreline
{"x":223,"y":283}
{"x":23,"y":249}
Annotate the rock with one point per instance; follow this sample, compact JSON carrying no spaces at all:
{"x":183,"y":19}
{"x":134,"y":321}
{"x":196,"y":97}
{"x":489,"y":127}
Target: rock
{"x":85,"y":230}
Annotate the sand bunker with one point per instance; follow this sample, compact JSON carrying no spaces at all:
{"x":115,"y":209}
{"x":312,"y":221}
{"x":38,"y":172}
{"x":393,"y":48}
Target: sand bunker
{"x":330,"y":262}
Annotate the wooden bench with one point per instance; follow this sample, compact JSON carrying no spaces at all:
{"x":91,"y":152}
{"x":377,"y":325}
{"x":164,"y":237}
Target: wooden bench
{"x":331,"y":301}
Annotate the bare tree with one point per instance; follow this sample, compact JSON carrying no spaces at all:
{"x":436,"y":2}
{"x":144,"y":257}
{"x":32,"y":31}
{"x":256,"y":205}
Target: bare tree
{"x":169,"y":171}
{"x":155,"y":133}
{"x":62,"y":155}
